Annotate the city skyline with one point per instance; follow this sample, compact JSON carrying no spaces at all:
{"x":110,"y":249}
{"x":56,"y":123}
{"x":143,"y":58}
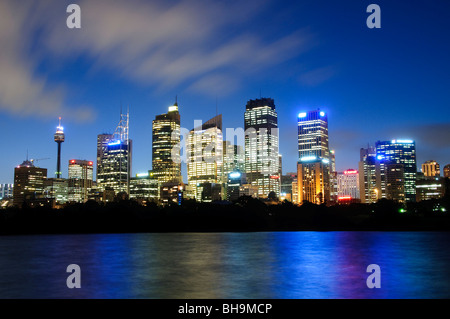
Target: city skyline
{"x":366,"y":81}
{"x":183,"y":164}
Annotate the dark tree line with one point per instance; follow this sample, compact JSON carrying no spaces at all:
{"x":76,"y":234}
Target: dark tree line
{"x":245,"y":214}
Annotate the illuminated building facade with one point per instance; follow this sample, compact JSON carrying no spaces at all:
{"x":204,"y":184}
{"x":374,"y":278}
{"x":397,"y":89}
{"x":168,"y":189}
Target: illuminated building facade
{"x":368,"y":191}
{"x":394,"y":182}
{"x":205,"y":155}
{"x":115,"y":163}
{"x":261,"y":146}
{"x":429,"y":188}
{"x":233,"y":158}
{"x":166,"y":163}
{"x":286,"y":185}
{"x":6,"y":191}
{"x":57,"y":189}
{"x":333,"y":178}
{"x":102,"y":145}
{"x":447,"y":171}
{"x":397,"y":152}
{"x":116,"y":167}
{"x":28,"y":183}
{"x":235,"y":181}
{"x":144,"y":188}
{"x":81,"y":174}
{"x":313,"y":167}
{"x":348,"y":184}
{"x":431,"y":169}
{"x":171,"y":193}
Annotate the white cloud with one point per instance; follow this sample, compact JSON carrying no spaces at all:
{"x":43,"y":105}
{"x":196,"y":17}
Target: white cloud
{"x":200,"y":45}
{"x":22,"y":92}
{"x":166,"y":45}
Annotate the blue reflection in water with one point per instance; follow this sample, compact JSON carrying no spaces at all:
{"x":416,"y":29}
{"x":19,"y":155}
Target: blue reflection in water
{"x":288,"y":265}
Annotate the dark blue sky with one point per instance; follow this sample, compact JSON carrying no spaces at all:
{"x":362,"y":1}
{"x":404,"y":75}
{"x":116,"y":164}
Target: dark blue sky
{"x":375,"y":84}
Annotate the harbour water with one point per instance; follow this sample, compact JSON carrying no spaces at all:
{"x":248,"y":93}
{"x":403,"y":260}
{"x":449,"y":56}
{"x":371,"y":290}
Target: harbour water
{"x":273,"y":265}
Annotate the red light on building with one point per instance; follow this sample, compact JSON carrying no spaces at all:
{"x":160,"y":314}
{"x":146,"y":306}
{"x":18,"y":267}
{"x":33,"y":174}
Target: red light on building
{"x":72,"y":161}
{"x":350,"y":171}
{"x":90,"y":163}
{"x":344,"y":198}
{"x":274,"y":177}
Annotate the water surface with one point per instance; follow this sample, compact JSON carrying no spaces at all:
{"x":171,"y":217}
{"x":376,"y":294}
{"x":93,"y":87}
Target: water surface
{"x":280,"y":265}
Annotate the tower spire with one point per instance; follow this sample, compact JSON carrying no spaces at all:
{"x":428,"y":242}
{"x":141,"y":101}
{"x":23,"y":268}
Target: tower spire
{"x":59,"y":138}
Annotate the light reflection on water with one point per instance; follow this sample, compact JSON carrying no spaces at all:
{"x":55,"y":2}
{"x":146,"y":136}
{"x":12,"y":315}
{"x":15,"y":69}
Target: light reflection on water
{"x":274,"y":265}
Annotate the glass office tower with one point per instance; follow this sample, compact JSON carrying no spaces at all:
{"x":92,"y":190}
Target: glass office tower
{"x":261,"y":146}
{"x":402,"y":152}
{"x":166,"y":164}
{"x":314,"y":165}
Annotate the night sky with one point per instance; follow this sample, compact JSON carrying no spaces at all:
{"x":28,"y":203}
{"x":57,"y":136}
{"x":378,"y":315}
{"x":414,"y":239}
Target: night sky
{"x":375,"y":84}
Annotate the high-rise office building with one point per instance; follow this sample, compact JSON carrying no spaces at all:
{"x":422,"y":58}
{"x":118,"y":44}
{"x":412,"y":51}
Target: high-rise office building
{"x":166,"y":163}
{"x":233,"y":158}
{"x":144,"y":188}
{"x":115,"y":163}
{"x":57,"y":190}
{"x":369,"y":193}
{"x":80,"y":180}
{"x":431,"y":169}
{"x":429,"y":187}
{"x":28,"y":183}
{"x":333,"y":178}
{"x":235,"y":181}
{"x":205,"y":158}
{"x":447,"y":171}
{"x":261,"y":146}
{"x":286,"y":186}
{"x":313,"y":167}
{"x":394,"y":188}
{"x":6,"y":190}
{"x":102,"y":145}
{"x":397,"y":152}
{"x":348,"y":184}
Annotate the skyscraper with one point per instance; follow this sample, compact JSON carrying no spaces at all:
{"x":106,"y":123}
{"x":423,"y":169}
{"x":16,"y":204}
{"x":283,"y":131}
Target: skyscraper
{"x":447,"y":171}
{"x":116,"y":160}
{"x":431,"y":169}
{"x":369,"y":193}
{"x":205,"y":157}
{"x":59,"y":138}
{"x":333,"y":178}
{"x":28,"y":183}
{"x":397,"y":152}
{"x":166,"y":164}
{"x":144,"y":188}
{"x":313,"y":167}
{"x":80,"y":180}
{"x":57,"y":190}
{"x":348,"y":184}
{"x":233,"y":158}
{"x":429,"y":187}
{"x":6,"y":190}
{"x":394,"y":188}
{"x":261,"y":146}
{"x":102,"y":145}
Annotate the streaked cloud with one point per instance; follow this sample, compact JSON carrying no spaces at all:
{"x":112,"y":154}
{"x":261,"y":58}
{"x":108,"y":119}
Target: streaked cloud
{"x":199,"y":46}
{"x":317,"y":76}
{"x":22,"y":91}
{"x":166,"y":44}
